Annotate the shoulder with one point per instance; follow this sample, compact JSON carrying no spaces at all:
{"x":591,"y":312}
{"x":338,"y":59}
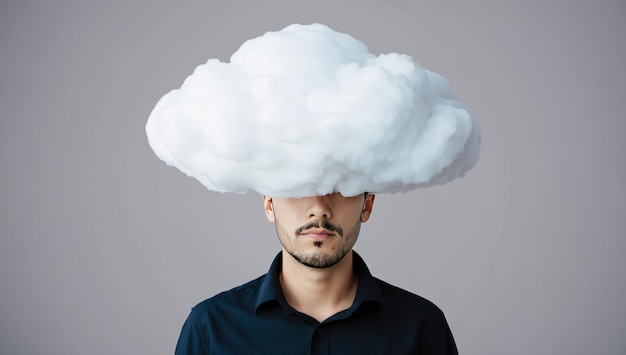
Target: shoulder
{"x":406,"y":302}
{"x":421,"y":315}
{"x":240,"y":297}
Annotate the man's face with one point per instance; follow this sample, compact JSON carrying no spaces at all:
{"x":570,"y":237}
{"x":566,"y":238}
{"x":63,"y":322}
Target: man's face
{"x":318,"y":231}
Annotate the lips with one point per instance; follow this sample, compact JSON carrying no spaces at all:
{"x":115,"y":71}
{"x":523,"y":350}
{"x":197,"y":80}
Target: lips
{"x":317,"y":233}
{"x":320,"y":227}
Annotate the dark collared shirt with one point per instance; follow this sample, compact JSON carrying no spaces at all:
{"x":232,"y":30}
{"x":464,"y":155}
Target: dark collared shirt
{"x":255,"y":319}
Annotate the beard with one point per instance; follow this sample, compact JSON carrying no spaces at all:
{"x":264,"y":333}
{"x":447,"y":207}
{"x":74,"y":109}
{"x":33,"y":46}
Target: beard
{"x":319,"y":258}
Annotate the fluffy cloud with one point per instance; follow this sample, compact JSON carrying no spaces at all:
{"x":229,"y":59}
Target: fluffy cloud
{"x":309,"y":111}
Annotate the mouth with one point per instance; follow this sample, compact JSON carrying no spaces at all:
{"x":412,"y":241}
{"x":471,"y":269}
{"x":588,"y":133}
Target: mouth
{"x":320,"y":229}
{"x":317,"y":234}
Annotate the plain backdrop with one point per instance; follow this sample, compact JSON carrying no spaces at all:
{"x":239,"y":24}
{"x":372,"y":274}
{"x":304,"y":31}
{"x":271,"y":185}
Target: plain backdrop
{"x":104,"y":249}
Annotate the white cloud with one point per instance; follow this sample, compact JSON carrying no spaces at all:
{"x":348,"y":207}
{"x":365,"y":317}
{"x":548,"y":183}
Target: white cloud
{"x":309,"y":111}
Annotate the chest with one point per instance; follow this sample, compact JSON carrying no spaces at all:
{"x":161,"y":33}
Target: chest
{"x":297,"y":334}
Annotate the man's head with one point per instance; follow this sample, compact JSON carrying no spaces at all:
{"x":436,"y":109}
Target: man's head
{"x":319,"y":231}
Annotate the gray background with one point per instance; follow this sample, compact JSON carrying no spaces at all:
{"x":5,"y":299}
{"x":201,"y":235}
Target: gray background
{"x":104,"y":248}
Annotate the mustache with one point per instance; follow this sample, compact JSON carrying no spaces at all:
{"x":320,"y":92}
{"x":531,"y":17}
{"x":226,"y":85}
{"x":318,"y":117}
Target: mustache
{"x":323,"y":224}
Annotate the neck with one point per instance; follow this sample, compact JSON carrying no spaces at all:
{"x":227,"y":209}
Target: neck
{"x":319,"y":293}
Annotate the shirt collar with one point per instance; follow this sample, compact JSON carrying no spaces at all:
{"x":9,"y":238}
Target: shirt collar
{"x":367,"y":290}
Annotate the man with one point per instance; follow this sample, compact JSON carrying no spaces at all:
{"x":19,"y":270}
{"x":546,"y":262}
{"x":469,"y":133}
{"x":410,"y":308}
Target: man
{"x":318,"y":296}
{"x":318,"y":125}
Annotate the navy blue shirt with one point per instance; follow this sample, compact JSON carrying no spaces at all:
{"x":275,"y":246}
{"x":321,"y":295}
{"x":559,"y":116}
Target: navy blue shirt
{"x":254,"y":318}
